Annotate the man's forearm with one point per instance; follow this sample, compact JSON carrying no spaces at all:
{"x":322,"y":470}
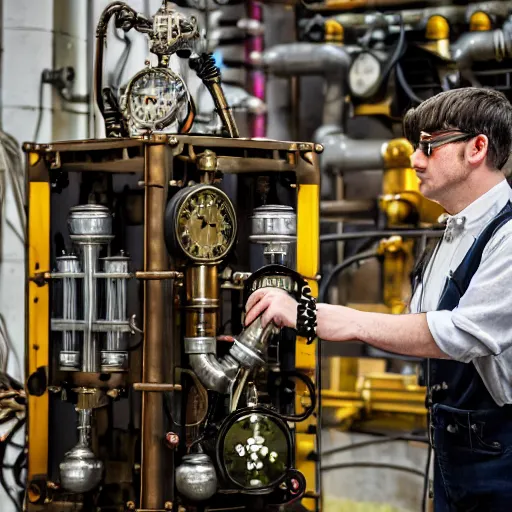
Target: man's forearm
{"x":403,"y":334}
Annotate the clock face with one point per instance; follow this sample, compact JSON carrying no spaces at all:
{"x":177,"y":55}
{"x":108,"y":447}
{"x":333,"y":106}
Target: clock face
{"x":157,"y":98}
{"x":205,"y":224}
{"x":364,"y":74}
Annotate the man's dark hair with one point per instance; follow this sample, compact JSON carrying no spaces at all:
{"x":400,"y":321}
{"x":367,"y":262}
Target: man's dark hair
{"x":471,"y":110}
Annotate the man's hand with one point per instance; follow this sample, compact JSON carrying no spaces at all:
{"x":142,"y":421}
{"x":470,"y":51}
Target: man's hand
{"x":274,"y":305}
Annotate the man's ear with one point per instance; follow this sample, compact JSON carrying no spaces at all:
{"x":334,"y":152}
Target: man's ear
{"x":477,"y":149}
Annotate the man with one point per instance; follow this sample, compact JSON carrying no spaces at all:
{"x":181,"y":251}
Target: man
{"x":461,"y":310}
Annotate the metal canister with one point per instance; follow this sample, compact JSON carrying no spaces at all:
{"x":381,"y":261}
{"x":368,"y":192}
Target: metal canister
{"x":196,"y":478}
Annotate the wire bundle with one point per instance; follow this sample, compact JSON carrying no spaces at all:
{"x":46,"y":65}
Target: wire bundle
{"x":12,"y":395}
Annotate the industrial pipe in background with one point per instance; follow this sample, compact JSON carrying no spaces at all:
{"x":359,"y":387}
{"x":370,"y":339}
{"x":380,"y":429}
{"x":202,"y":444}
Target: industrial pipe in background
{"x":347,"y":154}
{"x":416,"y":17}
{"x":303,"y":59}
{"x":482,"y":46}
{"x":256,"y":78}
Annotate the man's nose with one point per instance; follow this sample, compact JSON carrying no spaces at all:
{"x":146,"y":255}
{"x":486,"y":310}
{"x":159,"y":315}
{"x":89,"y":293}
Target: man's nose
{"x":418,"y":159}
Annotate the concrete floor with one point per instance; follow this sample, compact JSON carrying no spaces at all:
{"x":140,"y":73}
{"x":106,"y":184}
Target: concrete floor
{"x":372,"y":489}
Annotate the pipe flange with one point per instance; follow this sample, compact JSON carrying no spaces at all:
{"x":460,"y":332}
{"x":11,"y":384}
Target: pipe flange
{"x":69,"y":360}
{"x":200,"y":345}
{"x":114,"y":361}
{"x":247,"y":357}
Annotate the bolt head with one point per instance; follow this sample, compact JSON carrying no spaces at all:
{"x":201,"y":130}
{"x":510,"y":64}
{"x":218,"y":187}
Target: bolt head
{"x":172,"y":440}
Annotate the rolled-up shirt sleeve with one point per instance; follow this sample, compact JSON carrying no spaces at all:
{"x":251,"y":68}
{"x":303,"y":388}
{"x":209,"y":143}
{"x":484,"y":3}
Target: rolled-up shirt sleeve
{"x":481,"y":325}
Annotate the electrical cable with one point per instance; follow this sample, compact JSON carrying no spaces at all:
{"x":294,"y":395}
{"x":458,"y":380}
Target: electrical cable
{"x":384,"y":440}
{"x":3,"y":446}
{"x":374,"y":465}
{"x":11,"y":162}
{"x":424,"y":498}
{"x":411,"y":233}
{"x":312,"y":395}
{"x":18,"y":467}
{"x":327,"y":281}
{"x":4,"y":334}
{"x":405,"y":86}
{"x":40,"y":110}
{"x":123,"y":60}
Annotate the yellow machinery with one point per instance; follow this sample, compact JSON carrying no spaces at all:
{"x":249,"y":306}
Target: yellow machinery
{"x":362,"y":390}
{"x":146,"y":392}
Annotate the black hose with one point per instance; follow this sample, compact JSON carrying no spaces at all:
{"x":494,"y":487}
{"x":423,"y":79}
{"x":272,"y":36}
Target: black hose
{"x":327,"y":281}
{"x":363,"y":444}
{"x":375,"y":465}
{"x":411,"y":233}
{"x":312,"y":394}
{"x":399,"y":51}
{"x":40,"y":111}
{"x":424,"y":498}
{"x":3,"y":447}
{"x":18,"y":467}
{"x":405,"y":86}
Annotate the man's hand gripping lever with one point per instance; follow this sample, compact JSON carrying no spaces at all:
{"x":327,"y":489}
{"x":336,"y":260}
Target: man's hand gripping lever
{"x":280,"y":295}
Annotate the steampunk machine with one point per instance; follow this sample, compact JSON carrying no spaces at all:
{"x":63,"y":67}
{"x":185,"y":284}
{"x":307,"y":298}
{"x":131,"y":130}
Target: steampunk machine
{"x":146,"y":391}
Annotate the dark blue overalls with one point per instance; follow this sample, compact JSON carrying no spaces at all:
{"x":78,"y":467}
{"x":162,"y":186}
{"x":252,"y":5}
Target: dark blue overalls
{"x":471,"y":434}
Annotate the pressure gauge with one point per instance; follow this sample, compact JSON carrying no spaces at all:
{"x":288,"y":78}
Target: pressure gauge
{"x":155,"y":98}
{"x":201,"y":223}
{"x":364,"y":75}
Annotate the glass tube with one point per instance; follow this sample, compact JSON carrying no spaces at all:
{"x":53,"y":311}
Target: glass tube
{"x":69,"y":356}
{"x":114,"y":355}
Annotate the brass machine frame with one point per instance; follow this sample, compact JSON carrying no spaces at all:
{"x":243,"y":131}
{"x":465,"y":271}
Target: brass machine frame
{"x":152,"y":156}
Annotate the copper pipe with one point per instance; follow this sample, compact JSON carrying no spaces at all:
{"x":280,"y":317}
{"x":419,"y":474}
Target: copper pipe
{"x":222,"y":107}
{"x":154,"y":386}
{"x":156,"y":275}
{"x":348,"y":5}
{"x":348,"y":208}
{"x":202,"y":307}
{"x":155,"y":260}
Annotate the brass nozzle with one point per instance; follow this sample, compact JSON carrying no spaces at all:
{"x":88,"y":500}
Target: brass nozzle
{"x":437,"y":28}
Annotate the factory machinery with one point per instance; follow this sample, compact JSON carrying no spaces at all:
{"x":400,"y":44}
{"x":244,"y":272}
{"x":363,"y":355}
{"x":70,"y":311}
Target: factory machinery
{"x":375,"y":60}
{"x":145,"y":390}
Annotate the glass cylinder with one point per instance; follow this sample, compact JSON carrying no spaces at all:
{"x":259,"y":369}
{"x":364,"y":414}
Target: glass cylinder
{"x":70,"y":354}
{"x":114,"y":354}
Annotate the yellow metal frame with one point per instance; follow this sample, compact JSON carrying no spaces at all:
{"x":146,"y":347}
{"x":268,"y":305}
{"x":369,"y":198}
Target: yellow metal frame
{"x":37,"y":348}
{"x":308,"y":251}
{"x":38,"y":307}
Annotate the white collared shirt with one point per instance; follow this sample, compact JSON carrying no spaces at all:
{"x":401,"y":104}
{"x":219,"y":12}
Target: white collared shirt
{"x":479,"y":330}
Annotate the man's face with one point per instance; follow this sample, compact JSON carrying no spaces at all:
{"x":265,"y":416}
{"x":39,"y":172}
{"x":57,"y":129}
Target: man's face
{"x":445,"y":168}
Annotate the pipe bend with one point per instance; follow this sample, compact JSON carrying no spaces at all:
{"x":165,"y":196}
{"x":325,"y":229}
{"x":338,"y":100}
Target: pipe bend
{"x":306,"y":59}
{"x":213,"y":374}
{"x":473,"y":47}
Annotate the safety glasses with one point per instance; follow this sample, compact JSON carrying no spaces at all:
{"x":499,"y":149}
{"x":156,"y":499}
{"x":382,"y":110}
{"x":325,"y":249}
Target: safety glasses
{"x":428,"y":142}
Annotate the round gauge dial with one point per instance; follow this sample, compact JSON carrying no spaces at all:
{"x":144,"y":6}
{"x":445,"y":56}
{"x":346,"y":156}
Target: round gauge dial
{"x":364,"y":75}
{"x":204,"y":222}
{"x":156,"y":98}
